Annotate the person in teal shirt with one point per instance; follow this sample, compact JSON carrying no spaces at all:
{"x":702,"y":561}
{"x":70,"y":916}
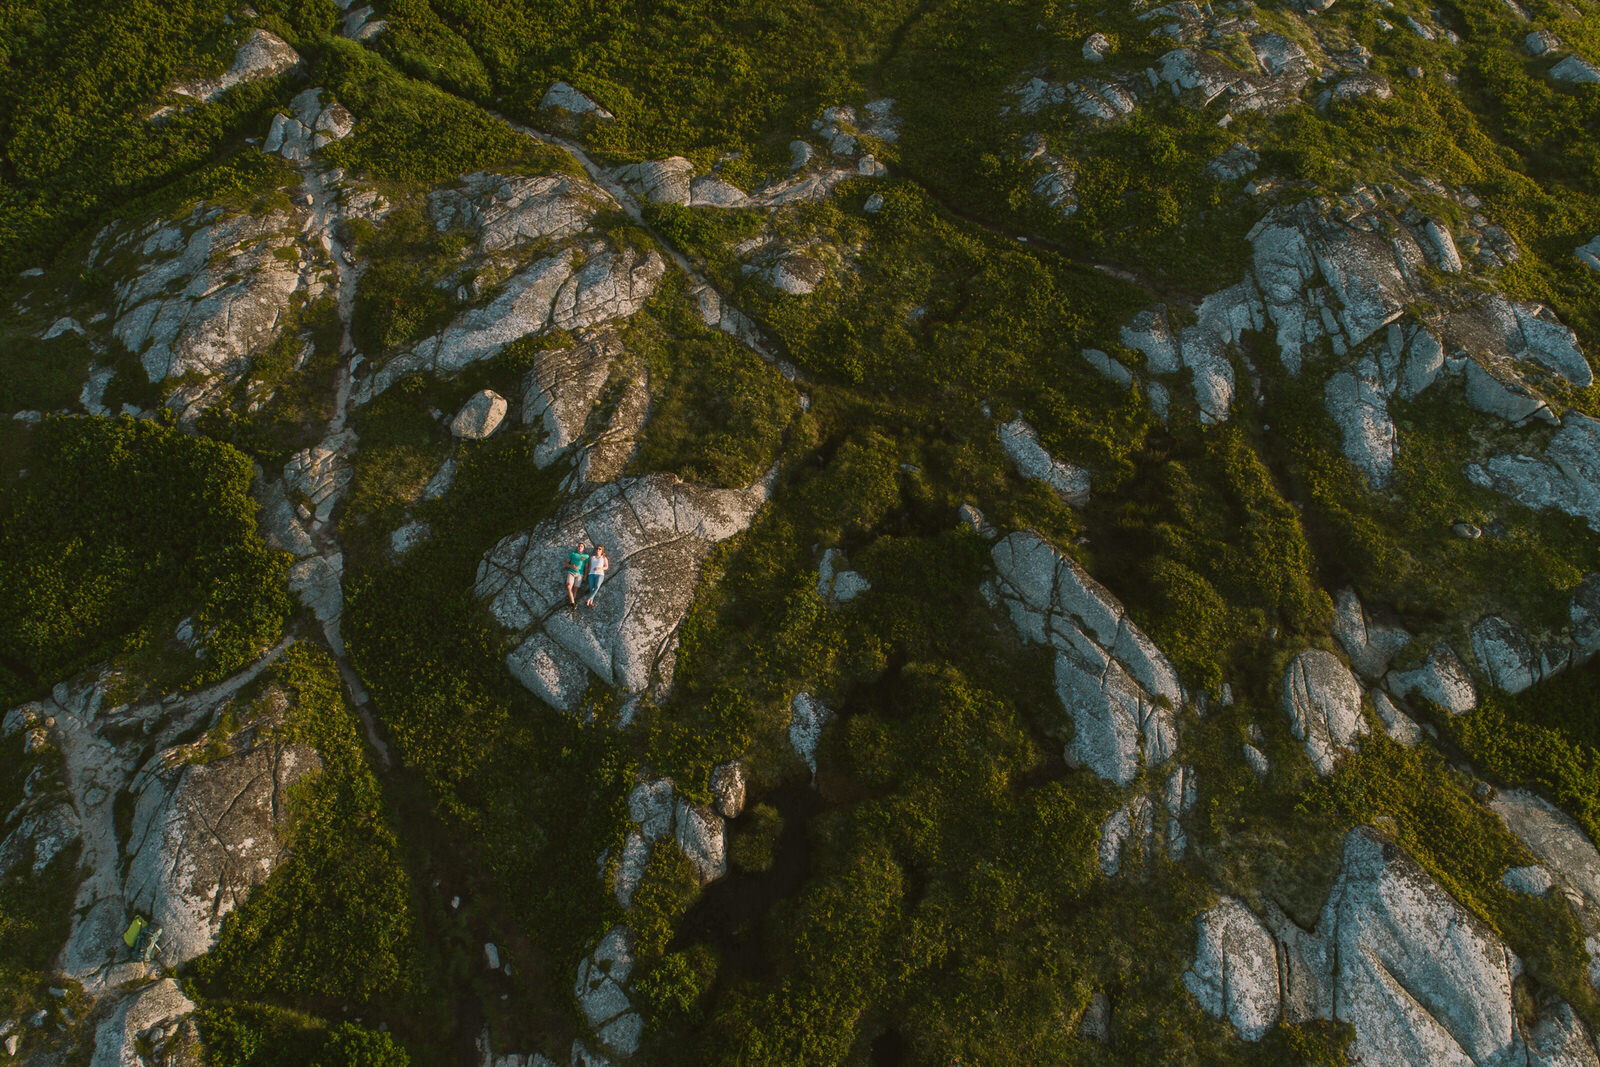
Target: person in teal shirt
{"x":577,"y":564}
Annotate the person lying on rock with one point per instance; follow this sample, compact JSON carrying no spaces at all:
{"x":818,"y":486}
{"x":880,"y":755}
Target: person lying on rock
{"x":597,"y":572}
{"x":577,"y":564}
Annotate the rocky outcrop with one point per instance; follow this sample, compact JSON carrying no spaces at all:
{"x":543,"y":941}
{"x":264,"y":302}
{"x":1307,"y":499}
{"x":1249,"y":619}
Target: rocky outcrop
{"x":657,"y":531}
{"x":1323,"y":702}
{"x":262,"y":55}
{"x":210,"y":293}
{"x":1554,"y":838}
{"x":601,"y":991}
{"x":807,"y":717}
{"x":145,"y":1028}
{"x":1369,"y":644}
{"x":509,"y":211}
{"x":480,"y":416}
{"x":660,"y":181}
{"x":1129,"y":829}
{"x":1120,"y":690}
{"x":1021,"y":442}
{"x":1509,"y":658}
{"x":1235,"y":972}
{"x":1575,"y":70}
{"x":1441,"y":679}
{"x":562,"y":389}
{"x":1419,"y":979}
{"x":836,"y":584}
{"x":1566,"y":477}
{"x":205,"y":833}
{"x":566,"y":98}
{"x":309,"y":126}
{"x":1284,"y":70}
{"x":551,"y":292}
{"x":659,"y":814}
{"x":202,"y":833}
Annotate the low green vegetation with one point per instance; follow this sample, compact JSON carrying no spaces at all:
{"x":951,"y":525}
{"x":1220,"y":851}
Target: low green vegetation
{"x":119,"y":530}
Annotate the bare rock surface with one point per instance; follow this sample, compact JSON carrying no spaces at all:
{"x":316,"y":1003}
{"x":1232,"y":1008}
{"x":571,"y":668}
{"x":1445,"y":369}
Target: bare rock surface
{"x":262,"y":55}
{"x":507,"y":211}
{"x":205,"y":834}
{"x":657,"y":531}
{"x":1129,"y":829}
{"x":140,"y":1025}
{"x":1507,"y":655}
{"x":1235,"y":972}
{"x":552,"y":292}
{"x":563,"y":96}
{"x":807,"y":717}
{"x":1421,"y":980}
{"x":1566,"y":477}
{"x":562,"y":389}
{"x":1369,"y":644}
{"x":1121,"y":691}
{"x":1442,"y":679}
{"x":1021,"y":443}
{"x":480,"y":416}
{"x":1554,"y":837}
{"x":601,"y":992}
{"x":1323,"y":702}
{"x":209,"y":293}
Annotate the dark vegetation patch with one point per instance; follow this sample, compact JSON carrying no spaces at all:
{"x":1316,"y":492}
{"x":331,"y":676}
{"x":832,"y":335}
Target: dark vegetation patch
{"x":118,"y":530}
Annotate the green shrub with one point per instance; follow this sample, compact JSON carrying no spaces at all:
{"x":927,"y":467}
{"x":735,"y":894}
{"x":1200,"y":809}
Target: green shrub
{"x":120,"y":529}
{"x":754,"y":847}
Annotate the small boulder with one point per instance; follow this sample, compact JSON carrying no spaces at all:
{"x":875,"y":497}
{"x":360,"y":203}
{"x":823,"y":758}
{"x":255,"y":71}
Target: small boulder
{"x":262,"y":55}
{"x":806,"y":720}
{"x":1021,"y":443}
{"x":662,"y":181}
{"x":1443,"y":679}
{"x":1095,"y":47}
{"x":1369,"y":644}
{"x":1235,"y":972}
{"x":566,"y":98}
{"x":1575,"y":70}
{"x":1131,"y":827}
{"x":1541,"y":42}
{"x":1554,"y":837}
{"x":727,"y":786}
{"x":1532,"y":881}
{"x":1323,"y":702}
{"x":480,"y":416}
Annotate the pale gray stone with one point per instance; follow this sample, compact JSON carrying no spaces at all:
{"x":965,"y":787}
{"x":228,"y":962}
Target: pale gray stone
{"x":1567,"y":478}
{"x":1575,"y":70}
{"x":657,"y":531}
{"x":1541,"y":42}
{"x":1021,"y":443}
{"x":1532,"y":881}
{"x":807,"y":717}
{"x":1554,"y":838}
{"x":153,"y":1008}
{"x":480,"y":416}
{"x":1235,"y":972}
{"x":563,"y":96}
{"x":1131,"y":828}
{"x":562,"y":389}
{"x":1256,"y":760}
{"x":1323,"y":702}
{"x":1120,"y":690}
{"x":1396,"y":723}
{"x":1443,"y":679}
{"x":1109,"y":367}
{"x":1369,"y":644}
{"x":699,"y":833}
{"x":204,"y":834}
{"x":509,"y":211}
{"x":262,"y":55}
{"x":1095,"y":47}
{"x":660,"y":181}
{"x":727,"y":786}
{"x":1358,"y":404}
